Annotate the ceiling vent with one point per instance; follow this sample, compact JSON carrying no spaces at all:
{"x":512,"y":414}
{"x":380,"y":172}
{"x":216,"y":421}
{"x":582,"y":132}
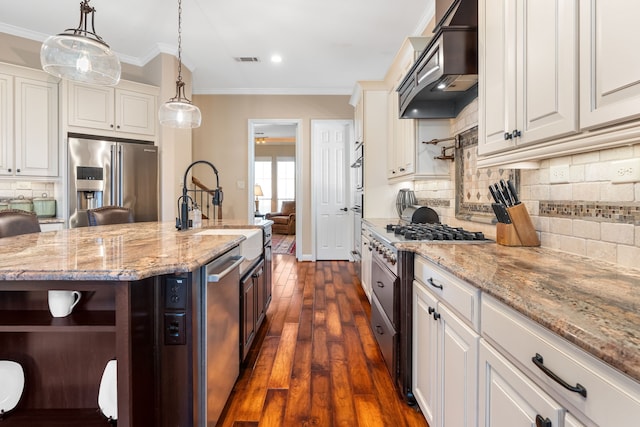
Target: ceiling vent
{"x":247,"y":59}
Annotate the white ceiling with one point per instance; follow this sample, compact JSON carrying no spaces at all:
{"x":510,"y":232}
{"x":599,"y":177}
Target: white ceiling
{"x":326,"y":45}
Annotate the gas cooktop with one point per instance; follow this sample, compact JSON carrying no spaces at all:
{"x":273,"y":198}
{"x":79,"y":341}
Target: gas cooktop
{"x":395,"y":233}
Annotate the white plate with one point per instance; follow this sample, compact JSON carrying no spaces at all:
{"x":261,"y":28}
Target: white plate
{"x":108,"y":393}
{"x":11,"y":384}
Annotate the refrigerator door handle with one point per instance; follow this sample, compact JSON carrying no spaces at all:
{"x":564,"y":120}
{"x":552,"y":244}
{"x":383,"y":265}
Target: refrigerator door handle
{"x":114,"y":175}
{"x":120,"y":175}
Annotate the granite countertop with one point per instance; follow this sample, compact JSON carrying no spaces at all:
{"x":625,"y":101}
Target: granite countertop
{"x":593,"y":304}
{"x":114,"y":252}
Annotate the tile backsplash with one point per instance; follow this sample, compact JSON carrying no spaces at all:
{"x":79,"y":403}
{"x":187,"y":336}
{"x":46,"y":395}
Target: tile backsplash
{"x":27,"y":189}
{"x":588,"y":215}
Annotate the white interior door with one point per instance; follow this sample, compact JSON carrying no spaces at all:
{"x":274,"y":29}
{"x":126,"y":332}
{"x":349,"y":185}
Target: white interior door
{"x":330,"y":187}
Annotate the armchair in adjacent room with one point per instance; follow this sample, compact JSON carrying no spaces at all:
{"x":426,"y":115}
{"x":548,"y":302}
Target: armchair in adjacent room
{"x":284,"y":222}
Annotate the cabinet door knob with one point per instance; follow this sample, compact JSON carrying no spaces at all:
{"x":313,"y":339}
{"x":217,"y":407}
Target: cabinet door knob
{"x":436,"y":315}
{"x":118,"y":126}
{"x":516,"y":133}
{"x":431,"y":310}
{"x":111,"y":125}
{"x":402,"y":169}
{"x":9,"y":170}
{"x":507,"y":136}
{"x":18,"y":170}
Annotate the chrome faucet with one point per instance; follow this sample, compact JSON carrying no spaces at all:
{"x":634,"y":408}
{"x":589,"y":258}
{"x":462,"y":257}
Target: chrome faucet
{"x":182,"y":222}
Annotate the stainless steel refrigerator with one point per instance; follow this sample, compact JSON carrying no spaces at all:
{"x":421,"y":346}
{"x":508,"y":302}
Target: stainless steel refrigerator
{"x":104,"y":171}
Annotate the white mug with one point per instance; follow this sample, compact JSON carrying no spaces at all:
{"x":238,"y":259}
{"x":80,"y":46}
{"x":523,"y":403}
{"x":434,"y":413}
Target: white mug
{"x":62,"y":302}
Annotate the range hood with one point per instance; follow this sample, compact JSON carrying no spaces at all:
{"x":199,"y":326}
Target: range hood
{"x":444,"y":78}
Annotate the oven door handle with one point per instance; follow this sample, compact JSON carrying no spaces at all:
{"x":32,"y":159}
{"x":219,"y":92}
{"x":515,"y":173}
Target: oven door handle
{"x":432,"y":283}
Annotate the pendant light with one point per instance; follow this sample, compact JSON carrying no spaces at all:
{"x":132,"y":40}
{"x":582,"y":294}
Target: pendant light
{"x":80,"y":54}
{"x":179,"y":112}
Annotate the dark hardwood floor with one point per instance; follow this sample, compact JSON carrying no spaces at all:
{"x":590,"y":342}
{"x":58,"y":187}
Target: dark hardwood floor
{"x":316,"y":361}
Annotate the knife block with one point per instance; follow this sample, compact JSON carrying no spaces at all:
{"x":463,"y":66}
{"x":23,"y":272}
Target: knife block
{"x":520,"y":232}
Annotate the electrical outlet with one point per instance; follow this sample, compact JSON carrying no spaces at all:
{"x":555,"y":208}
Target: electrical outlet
{"x":240,"y":184}
{"x":625,"y":171}
{"x":559,"y":174}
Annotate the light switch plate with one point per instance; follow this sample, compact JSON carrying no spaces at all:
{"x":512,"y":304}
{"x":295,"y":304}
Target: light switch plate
{"x":625,"y":171}
{"x":559,"y":174}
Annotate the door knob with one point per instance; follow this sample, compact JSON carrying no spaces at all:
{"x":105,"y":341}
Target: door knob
{"x":344,"y":209}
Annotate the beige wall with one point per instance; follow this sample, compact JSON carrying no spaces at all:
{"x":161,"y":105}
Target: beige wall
{"x":223,"y":140}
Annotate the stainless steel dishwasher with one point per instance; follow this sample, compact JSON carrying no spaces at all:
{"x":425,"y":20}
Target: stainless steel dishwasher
{"x":220,"y":334}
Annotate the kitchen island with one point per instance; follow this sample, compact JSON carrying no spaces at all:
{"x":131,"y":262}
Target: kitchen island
{"x":126,"y":274}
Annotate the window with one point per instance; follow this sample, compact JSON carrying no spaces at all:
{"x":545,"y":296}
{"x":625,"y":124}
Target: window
{"x":286,"y":179}
{"x":277,"y":178}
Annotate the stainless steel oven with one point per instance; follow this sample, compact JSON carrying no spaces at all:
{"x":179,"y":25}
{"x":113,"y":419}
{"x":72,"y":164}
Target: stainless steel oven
{"x":384,"y":309}
{"x":392,"y":286}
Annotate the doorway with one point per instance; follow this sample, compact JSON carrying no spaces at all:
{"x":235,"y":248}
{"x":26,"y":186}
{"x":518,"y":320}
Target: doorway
{"x":332,"y":221}
{"x":274,"y":177}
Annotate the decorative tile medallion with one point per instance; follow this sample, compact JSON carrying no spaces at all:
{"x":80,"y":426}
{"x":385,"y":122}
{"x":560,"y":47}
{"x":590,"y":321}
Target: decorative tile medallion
{"x":473,"y":199}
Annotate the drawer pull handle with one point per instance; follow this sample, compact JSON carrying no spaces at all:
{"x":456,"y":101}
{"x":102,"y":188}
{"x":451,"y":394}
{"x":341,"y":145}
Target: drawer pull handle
{"x":539,"y":362}
{"x":543,"y":422}
{"x":380,"y":284}
{"x":379,"y":330}
{"x":432,"y":283}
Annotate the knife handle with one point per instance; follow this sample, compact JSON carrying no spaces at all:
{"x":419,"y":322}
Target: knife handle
{"x":502,"y":200}
{"x":514,"y":193}
{"x":506,"y":192}
{"x":493,"y":194}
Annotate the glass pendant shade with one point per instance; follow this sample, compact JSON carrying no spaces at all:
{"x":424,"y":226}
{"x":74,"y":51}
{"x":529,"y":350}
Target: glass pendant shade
{"x":179,"y":114}
{"x":79,"y":58}
{"x":80,"y":54}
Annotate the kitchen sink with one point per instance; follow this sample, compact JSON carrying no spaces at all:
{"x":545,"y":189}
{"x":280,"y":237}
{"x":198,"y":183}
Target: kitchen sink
{"x":251,"y":248}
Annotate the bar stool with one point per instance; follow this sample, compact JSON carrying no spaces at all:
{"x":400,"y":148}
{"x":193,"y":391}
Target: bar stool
{"x":109,"y":215}
{"x":14,"y":222}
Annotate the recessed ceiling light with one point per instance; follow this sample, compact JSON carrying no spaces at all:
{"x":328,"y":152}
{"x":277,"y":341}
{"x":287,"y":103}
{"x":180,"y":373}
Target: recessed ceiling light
{"x":276,"y":58}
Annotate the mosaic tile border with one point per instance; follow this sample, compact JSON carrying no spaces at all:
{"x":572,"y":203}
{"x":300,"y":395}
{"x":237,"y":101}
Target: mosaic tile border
{"x":443,"y":203}
{"x":619,"y":213}
{"x":474,"y":204}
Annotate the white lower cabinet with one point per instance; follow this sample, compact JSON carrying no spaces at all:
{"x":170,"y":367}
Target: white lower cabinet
{"x":445,"y":369}
{"x":509,"y":399}
{"x":586,"y":386}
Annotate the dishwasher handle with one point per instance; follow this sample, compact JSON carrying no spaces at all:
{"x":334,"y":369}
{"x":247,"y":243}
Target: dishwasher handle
{"x":216,"y":277}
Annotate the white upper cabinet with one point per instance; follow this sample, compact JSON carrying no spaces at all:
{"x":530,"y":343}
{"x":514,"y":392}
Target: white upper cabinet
{"x":36,"y":127}
{"x":609,"y":65}
{"x":528,"y":72}
{"x":128,"y":108}
{"x":28,"y":122}
{"x":407,"y":158}
{"x":6,"y":124}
